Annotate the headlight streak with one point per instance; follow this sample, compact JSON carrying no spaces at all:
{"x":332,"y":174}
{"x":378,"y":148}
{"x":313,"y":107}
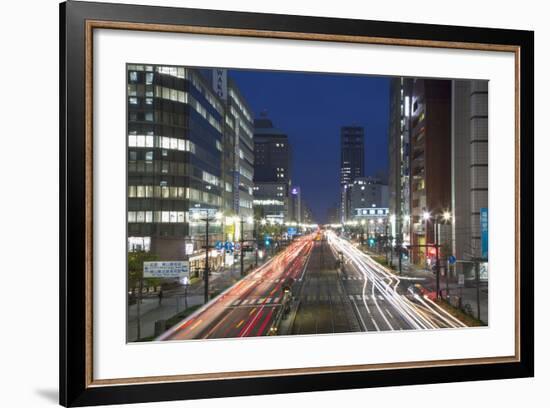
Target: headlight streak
{"x":386,"y":284}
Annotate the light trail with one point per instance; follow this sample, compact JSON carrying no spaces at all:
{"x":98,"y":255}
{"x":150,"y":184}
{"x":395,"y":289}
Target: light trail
{"x":385,"y":284}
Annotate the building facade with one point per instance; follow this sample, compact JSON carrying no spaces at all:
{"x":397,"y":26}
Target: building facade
{"x":272,"y":171}
{"x":368,"y":193}
{"x":469,"y":173}
{"x":352,"y":164}
{"x":182,"y":160}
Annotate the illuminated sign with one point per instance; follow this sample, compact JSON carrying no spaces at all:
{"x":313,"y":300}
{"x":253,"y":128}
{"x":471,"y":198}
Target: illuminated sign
{"x":166,"y":269}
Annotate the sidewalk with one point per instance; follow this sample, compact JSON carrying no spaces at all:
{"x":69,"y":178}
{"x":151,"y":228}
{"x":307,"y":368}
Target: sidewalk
{"x":173,"y":300}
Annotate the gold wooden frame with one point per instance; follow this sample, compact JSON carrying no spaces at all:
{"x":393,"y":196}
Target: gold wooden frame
{"x":100,"y":24}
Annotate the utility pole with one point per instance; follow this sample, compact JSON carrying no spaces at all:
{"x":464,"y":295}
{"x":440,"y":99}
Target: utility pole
{"x":477,"y":289}
{"x":242,"y":246}
{"x":206,"y":264}
{"x":437,"y":271}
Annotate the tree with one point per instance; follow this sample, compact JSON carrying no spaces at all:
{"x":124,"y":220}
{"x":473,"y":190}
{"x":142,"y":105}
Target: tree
{"x":135,"y":269}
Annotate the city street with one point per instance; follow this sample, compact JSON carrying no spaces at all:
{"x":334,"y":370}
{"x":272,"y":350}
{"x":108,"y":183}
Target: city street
{"x":250,"y":307}
{"x":321,"y":283}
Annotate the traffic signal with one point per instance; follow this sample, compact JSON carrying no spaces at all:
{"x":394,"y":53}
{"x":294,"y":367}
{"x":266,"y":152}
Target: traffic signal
{"x":267,"y":242}
{"x":371,"y":241}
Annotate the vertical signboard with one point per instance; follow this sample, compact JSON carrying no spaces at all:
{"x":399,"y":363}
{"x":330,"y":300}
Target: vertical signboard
{"x":484,"y":229}
{"x":219,"y":82}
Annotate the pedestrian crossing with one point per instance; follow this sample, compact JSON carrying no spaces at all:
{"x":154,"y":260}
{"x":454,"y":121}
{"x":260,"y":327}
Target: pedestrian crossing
{"x":254,"y":301}
{"x":353,"y":278}
{"x":311,"y":298}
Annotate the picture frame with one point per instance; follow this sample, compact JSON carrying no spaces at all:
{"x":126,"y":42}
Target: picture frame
{"x":78,"y":385}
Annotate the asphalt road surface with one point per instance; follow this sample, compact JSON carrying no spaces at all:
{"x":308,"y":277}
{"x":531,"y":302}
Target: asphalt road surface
{"x":322,"y":302}
{"x":249,"y":307}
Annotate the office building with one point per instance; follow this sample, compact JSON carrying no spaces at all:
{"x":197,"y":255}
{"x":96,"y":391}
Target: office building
{"x":189,"y":151}
{"x":469,"y":172}
{"x":352,"y":164}
{"x":272,"y":172}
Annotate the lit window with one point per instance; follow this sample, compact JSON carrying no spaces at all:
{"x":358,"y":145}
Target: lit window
{"x":149,"y":78}
{"x":149,"y":116}
{"x":133,"y":100}
{"x":133,"y":76}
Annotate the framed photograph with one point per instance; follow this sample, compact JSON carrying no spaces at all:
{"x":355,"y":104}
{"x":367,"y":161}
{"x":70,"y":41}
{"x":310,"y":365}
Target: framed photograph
{"x":256,"y":204}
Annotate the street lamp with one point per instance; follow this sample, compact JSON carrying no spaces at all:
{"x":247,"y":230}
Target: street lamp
{"x":197,"y":217}
{"x":242,"y":220}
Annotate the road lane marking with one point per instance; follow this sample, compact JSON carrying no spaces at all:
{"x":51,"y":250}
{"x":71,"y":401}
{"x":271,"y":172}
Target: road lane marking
{"x":195,"y":325}
{"x":252,"y":311}
{"x":236,"y":302}
{"x":239,"y":324}
{"x":245,"y":301}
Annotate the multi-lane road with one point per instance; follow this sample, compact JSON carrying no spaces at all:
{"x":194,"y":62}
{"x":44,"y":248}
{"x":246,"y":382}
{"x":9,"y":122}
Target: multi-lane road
{"x":250,"y":307}
{"x":334,"y":288}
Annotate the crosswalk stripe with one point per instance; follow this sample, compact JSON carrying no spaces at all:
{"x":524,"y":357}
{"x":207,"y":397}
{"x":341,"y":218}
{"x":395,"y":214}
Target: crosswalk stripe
{"x":276,"y":299}
{"x":380,"y":297}
{"x":268,"y":300}
{"x":358,"y":297}
{"x":236,"y":302}
{"x":245,"y":301}
{"x":350,"y":297}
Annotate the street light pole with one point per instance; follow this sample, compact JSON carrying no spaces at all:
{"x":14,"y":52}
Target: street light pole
{"x":242,"y":246}
{"x":437,"y":271}
{"x":206,"y":264}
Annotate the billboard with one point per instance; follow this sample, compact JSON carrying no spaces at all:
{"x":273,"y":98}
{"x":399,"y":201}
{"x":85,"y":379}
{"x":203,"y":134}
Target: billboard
{"x":484,"y":228}
{"x":166,"y":269}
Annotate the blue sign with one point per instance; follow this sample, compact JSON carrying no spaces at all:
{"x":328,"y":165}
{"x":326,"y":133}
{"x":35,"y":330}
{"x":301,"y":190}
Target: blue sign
{"x":229,"y":246}
{"x":291,"y":231}
{"x":218,"y":245}
{"x":452,"y":260}
{"x":484,"y":227}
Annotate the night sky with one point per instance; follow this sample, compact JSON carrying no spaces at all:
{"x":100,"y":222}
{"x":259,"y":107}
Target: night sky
{"x":311,"y":108}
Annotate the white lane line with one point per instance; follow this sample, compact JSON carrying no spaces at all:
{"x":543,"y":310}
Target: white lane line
{"x":360,"y":317}
{"x":388,"y":312}
{"x":375,"y":325}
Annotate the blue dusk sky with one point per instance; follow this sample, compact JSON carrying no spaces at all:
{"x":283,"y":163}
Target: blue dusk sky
{"x":311,"y":108}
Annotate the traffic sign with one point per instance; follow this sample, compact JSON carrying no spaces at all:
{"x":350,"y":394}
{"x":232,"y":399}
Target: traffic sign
{"x":229,"y":245}
{"x":218,"y":245}
{"x":166,"y":269}
{"x":452,"y":260}
{"x":237,"y":246}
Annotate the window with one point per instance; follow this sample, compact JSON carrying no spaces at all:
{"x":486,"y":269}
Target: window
{"x":133,"y":76}
{"x":148,"y":101}
{"x":149,"y":78}
{"x":149,"y":116}
{"x":148,"y":156}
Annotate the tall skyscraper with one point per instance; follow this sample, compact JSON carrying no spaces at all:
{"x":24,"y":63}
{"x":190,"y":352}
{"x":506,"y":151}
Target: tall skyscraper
{"x":272,"y":172}
{"x":399,"y":157}
{"x":190,"y":149}
{"x":175,"y":133}
{"x":469,"y":172}
{"x":352,"y":164}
